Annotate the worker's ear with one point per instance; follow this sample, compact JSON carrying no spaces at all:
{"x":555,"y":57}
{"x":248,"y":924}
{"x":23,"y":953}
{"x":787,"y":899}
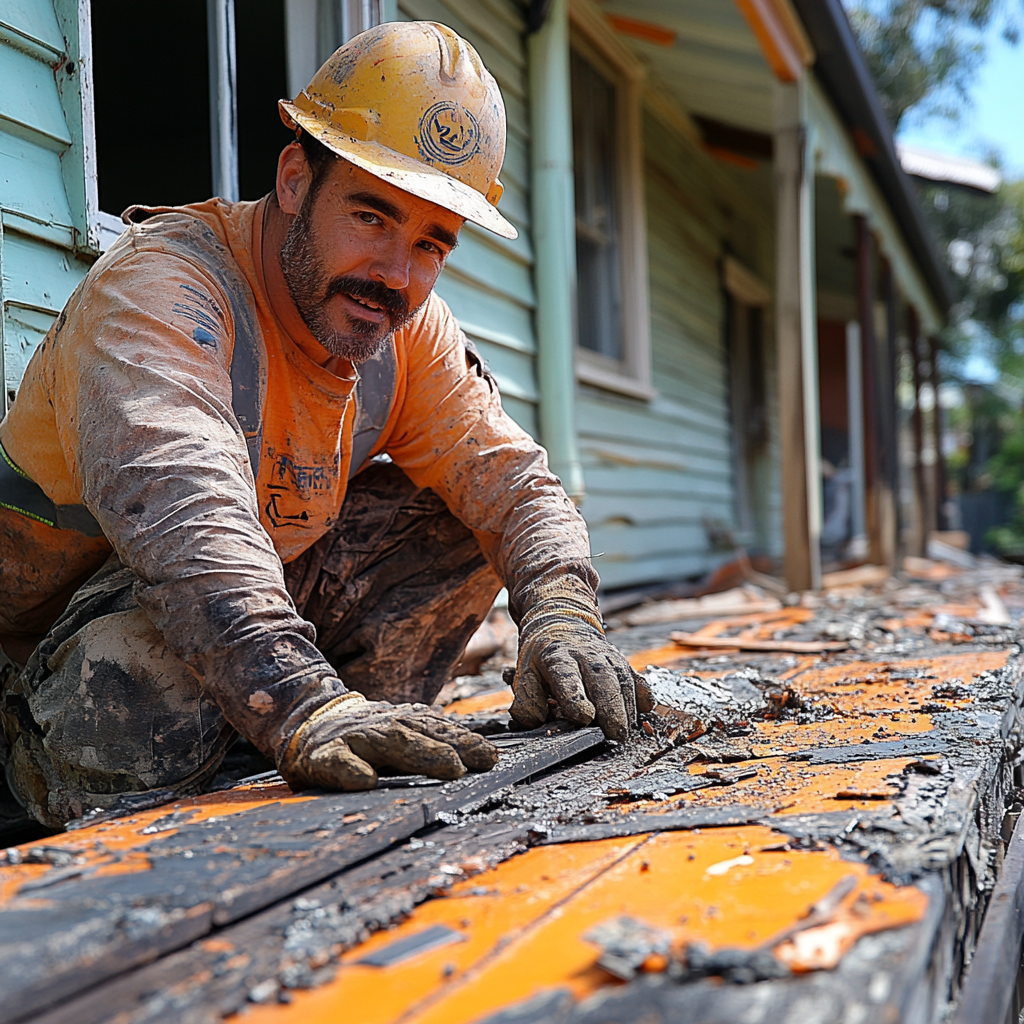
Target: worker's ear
{"x":294,"y":176}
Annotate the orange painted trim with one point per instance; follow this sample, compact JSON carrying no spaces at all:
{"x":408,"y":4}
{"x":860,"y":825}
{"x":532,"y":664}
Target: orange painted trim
{"x":646,"y":30}
{"x":730,"y":157}
{"x":780,"y":33}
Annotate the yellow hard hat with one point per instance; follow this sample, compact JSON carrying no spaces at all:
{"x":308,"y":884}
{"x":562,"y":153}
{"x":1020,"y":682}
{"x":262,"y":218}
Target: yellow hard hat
{"x":412,"y":103}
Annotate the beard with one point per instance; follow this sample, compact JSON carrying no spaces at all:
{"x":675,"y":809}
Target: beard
{"x":311,"y":290}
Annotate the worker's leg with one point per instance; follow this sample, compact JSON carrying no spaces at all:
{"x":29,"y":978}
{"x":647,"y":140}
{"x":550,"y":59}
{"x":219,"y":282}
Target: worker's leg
{"x":104,"y":709}
{"x":395,"y":590}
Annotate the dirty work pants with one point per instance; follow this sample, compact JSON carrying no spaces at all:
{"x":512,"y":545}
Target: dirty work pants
{"x":103,"y":709}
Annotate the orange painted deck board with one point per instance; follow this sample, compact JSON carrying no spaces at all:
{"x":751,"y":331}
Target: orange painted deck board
{"x":525,"y":933}
{"x":796,"y":808}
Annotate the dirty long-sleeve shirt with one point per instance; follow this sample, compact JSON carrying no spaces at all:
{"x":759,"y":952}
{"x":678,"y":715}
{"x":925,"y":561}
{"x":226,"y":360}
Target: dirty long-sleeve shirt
{"x":130,"y":408}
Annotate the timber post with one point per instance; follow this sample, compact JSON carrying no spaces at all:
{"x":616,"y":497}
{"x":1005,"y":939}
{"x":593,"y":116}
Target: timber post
{"x":869,"y":376}
{"x":940,"y":463}
{"x":796,"y":340}
{"x":892,"y":536}
{"x":925,"y":512}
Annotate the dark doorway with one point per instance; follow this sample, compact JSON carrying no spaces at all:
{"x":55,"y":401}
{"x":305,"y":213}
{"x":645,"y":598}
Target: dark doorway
{"x":262,"y":81}
{"x":152,"y":99}
{"x":150,"y":72}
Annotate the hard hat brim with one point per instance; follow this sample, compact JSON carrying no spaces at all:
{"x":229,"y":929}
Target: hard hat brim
{"x":404,"y":172}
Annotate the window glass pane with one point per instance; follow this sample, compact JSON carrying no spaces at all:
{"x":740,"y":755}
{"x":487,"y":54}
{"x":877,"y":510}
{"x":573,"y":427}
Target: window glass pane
{"x":594,"y":144}
{"x":262,"y":81}
{"x":152,"y":103}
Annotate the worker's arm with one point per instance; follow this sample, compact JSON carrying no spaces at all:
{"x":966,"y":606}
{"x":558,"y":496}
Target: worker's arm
{"x":146,"y":422}
{"x":451,"y":434}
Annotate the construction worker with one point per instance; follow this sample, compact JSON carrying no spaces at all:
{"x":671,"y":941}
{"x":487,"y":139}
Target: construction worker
{"x":257,"y":482}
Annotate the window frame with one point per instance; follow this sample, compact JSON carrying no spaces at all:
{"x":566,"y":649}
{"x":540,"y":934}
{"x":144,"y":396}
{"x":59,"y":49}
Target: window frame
{"x":593,"y":39}
{"x":352,"y":17}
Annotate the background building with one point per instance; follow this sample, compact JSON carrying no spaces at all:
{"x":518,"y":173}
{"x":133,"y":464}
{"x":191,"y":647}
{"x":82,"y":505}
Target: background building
{"x":722,"y":281}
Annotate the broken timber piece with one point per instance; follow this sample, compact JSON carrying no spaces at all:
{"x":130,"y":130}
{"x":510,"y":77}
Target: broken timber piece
{"x":861,"y":576}
{"x":739,"y":601}
{"x":739,"y":643}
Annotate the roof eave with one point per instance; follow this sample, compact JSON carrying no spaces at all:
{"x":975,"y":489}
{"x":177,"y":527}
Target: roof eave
{"x":844,"y":74}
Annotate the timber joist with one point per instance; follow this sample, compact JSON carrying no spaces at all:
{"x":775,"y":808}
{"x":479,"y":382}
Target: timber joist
{"x":811,"y":835}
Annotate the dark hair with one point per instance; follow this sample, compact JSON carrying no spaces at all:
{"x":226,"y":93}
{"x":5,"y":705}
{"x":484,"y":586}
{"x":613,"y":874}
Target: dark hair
{"x":319,"y":157}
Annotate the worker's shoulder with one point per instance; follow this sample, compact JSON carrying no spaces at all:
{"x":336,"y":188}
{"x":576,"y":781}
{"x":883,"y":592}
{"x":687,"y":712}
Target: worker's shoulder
{"x":432,"y":324}
{"x":210,"y":234}
{"x":205,"y":243}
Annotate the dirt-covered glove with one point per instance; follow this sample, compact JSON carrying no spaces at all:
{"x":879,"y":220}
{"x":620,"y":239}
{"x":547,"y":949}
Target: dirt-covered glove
{"x":564,"y":655}
{"x":342,"y":743}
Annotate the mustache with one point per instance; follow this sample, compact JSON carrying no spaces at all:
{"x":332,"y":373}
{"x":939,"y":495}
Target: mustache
{"x":373,"y":291}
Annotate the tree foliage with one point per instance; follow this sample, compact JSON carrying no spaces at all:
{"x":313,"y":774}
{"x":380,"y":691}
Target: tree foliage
{"x":922,"y":54}
{"x":983,"y":239}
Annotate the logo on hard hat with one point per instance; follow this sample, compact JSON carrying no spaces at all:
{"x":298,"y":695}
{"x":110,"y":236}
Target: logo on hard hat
{"x":449,"y":134}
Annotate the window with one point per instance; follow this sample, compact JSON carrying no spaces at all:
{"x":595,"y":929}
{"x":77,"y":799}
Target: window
{"x":314,"y":29}
{"x":202,"y":119}
{"x":611,"y":260}
{"x":599,"y":295}
{"x":746,"y":297}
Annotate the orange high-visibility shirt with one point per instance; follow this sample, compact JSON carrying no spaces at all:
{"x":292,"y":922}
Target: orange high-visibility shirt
{"x":130,"y":408}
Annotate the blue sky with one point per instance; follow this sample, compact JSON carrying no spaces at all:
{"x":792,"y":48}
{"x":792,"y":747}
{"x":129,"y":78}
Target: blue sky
{"x":996,"y":118}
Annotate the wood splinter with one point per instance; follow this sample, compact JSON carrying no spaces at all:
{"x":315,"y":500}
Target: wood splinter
{"x":738,"y":643}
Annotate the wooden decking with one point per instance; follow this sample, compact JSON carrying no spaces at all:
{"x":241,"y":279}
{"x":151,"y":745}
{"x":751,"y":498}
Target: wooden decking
{"x":816,"y":841}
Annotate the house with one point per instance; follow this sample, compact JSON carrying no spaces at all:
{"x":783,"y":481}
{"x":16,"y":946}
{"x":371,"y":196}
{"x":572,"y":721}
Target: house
{"x":722,"y":281}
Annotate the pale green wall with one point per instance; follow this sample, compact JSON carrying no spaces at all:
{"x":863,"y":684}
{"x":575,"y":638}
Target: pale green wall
{"x":655,"y":470}
{"x":488,"y":281}
{"x":40,"y":164}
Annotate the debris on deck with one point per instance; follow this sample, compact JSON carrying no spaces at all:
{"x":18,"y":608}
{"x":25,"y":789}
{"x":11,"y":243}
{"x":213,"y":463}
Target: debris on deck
{"x":809,"y":823}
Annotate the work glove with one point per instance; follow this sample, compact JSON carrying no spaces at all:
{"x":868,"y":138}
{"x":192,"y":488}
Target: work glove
{"x":565,"y":660}
{"x":340,"y":745}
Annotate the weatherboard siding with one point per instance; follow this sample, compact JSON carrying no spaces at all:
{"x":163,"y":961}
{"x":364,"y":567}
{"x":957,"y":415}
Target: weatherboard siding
{"x":39,"y":268}
{"x":489,"y":281}
{"x":658,"y":472}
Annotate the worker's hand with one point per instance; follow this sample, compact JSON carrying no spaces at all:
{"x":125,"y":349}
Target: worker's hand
{"x":341,"y":744}
{"x":566,"y":660}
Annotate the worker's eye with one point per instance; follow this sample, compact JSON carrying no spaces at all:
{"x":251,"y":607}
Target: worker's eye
{"x":369,"y":218}
{"x":431,"y":247}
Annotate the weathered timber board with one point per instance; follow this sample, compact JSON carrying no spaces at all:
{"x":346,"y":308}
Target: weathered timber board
{"x":879,"y":980}
{"x":936,"y":826}
{"x":988,"y":988}
{"x":212,"y":979}
{"x":74,"y":926}
{"x":58,"y":938}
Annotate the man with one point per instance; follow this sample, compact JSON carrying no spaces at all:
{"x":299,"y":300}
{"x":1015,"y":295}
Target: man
{"x":254,"y":425}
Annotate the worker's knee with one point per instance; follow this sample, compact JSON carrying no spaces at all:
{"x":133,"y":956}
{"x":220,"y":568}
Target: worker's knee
{"x":110,"y":711}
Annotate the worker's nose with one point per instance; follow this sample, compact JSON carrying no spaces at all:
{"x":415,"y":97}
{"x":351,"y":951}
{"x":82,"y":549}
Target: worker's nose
{"x":391,"y":267}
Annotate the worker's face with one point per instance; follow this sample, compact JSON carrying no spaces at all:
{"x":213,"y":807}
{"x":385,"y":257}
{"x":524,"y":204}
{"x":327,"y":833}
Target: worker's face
{"x":361,"y":256}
